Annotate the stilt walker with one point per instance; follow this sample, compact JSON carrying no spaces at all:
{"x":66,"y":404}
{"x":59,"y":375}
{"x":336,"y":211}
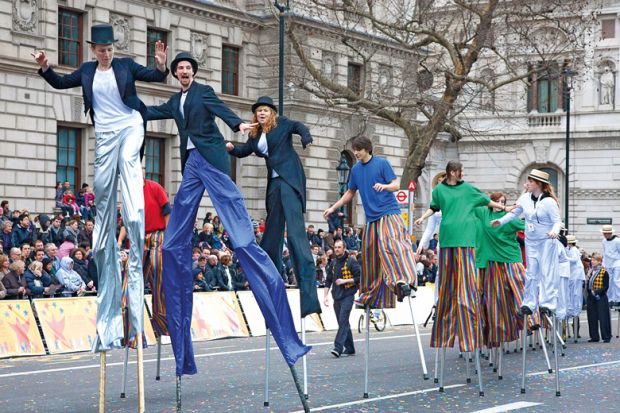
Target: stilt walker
{"x":540,"y":208}
{"x":205,"y":166}
{"x":271,"y":138}
{"x":611,"y":262}
{"x":388,"y":264}
{"x":458,"y":305}
{"x":109,"y":93}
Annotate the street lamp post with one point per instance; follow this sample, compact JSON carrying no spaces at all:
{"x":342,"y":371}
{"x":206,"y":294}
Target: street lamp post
{"x":282,"y":9}
{"x":568,"y":85}
{"x":343,"y":174}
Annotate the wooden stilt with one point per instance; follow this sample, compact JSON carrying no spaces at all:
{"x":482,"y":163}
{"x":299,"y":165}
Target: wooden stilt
{"x":102,"y":371}
{"x":140,"y":378}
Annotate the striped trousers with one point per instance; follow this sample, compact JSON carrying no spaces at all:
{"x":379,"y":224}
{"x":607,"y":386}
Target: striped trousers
{"x":458,"y":305}
{"x":153,"y":273}
{"x":387,"y":259}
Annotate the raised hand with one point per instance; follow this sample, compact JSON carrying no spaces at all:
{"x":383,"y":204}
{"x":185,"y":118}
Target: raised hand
{"x":246,"y":127}
{"x":161,"y":55}
{"x":41,"y":58}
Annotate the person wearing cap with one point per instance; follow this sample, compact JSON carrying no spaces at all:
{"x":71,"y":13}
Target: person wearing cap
{"x":272,"y":139}
{"x":119,"y":117}
{"x":205,"y":165}
{"x":611,"y":261}
{"x":541,"y":210}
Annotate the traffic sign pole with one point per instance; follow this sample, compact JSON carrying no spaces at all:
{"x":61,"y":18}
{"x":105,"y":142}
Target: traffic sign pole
{"x":410,"y":206}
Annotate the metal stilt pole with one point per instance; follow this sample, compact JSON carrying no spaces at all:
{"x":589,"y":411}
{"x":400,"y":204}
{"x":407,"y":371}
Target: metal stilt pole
{"x":555,"y":350}
{"x":436,"y":380}
{"x":443,"y":362}
{"x":575,"y":329}
{"x":618,"y":329}
{"x":305,"y":365}
{"x":179,"y":406}
{"x":493,"y":358}
{"x":102,"y":374}
{"x":524,"y":345}
{"x":481,"y":389}
{"x":366,"y":356}
{"x":544,"y":347}
{"x":302,"y":396}
{"x":267,"y":336}
{"x":499,"y":365}
{"x":124,"y":378}
{"x":557,"y":333}
{"x":158,"y":369}
{"x":467,"y":376}
{"x":140,"y":371}
{"x":419,"y":340}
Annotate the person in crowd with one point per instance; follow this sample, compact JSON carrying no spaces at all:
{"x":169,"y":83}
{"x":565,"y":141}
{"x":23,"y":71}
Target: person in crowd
{"x":59,"y":194}
{"x":227,"y":269}
{"x":66,"y":247}
{"x":313,"y":237}
{"x":239,"y":280}
{"x":432,"y":244}
{"x":39,"y":283}
{"x":272,"y":139}
{"x":51,"y":252}
{"x":208,"y":218}
{"x":388,"y":265}
{"x":200,"y":283}
{"x":25,"y":249}
{"x":7,"y":234}
{"x":86,"y":234}
{"x":38,"y":255}
{"x":71,"y":230}
{"x":350,"y":240}
{"x":43,"y":232}
{"x":22,"y":232}
{"x":4,"y":270}
{"x":421,"y":264}
{"x":80,"y":265}
{"x":430,"y":271}
{"x":336,"y":220}
{"x":69,"y":204}
{"x":208,"y":238}
{"x":70,"y":279}
{"x":15,"y":254}
{"x":288,"y":271}
{"x":119,"y":118}
{"x":343,"y":277}
{"x":611,"y":262}
{"x":5,"y":211}
{"x":48,"y":268}
{"x":56,"y":231}
{"x":597,"y":301}
{"x":321,"y":270}
{"x":218,"y":228}
{"x":15,"y":282}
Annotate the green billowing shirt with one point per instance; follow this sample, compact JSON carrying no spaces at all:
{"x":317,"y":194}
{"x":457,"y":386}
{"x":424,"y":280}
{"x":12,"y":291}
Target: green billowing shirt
{"x":496,"y":244}
{"x":458,"y":222}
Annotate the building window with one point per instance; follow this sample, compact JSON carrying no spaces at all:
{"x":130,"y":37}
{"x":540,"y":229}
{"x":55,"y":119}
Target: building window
{"x":354,"y":77}
{"x":152,"y":36}
{"x":230,"y":70}
{"x":69,"y":38}
{"x":608,"y":28}
{"x":544,"y":93}
{"x":68,"y":156}
{"x":154,"y":154}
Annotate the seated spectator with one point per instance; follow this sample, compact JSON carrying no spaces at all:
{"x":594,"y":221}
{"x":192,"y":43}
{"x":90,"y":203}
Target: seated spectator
{"x":70,"y":279}
{"x":48,"y":268}
{"x":419,"y":270}
{"x":15,"y":254}
{"x":353,"y":254}
{"x":226,"y":273}
{"x":66,"y":247}
{"x":195,"y":255}
{"x":287,"y":273}
{"x":89,"y":202}
{"x":38,"y":255}
{"x":7,"y":234}
{"x":22,"y":231}
{"x":4,"y":270}
{"x":86,"y":235}
{"x":5,"y":211}
{"x":201,"y":263}
{"x":430,"y":271}
{"x":205,"y":252}
{"x":69,"y":205}
{"x":321,"y":270}
{"x":218,"y":227}
{"x":55,"y":233}
{"x":200,"y":284}
{"x":39,"y":283}
{"x":239,"y":280}
{"x":25,"y":250}
{"x":59,"y":193}
{"x":15,"y":282}
{"x":71,"y":229}
{"x":51,"y":251}
{"x":80,"y":265}
{"x":432,"y":244}
{"x":208,"y":238}
{"x":350,"y":241}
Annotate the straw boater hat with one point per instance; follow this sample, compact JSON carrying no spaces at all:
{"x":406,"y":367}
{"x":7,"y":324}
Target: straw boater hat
{"x":607,"y":229}
{"x":571,"y":239}
{"x":539,"y":176}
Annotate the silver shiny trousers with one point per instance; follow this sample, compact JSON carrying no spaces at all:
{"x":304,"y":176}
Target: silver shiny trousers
{"x":117,"y":158}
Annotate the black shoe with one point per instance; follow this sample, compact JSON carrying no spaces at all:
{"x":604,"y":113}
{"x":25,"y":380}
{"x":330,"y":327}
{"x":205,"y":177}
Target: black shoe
{"x":607,"y":341}
{"x":335,"y":353}
{"x":525,"y":310}
{"x":402,"y":290}
{"x":592,"y":341}
{"x":545,"y":310}
{"x":348,"y":353}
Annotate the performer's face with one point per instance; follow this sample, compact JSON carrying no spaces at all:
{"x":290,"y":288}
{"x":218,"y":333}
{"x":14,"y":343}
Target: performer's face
{"x":607,"y":235}
{"x":532,"y":185}
{"x":104,"y":53}
{"x":263,"y":113}
{"x":361,"y":154}
{"x":185,"y":73}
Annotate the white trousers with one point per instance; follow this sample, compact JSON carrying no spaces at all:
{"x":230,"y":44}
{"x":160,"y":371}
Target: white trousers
{"x":117,"y":158}
{"x":575,"y":290}
{"x":613,"y":294}
{"x":543,"y":278}
{"x":563,"y":299}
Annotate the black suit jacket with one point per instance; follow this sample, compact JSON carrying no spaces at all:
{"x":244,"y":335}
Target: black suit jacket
{"x":282,"y":156}
{"x":200,"y":109}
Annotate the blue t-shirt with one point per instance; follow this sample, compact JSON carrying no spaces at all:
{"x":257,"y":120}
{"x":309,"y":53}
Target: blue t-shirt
{"x":363,"y":177}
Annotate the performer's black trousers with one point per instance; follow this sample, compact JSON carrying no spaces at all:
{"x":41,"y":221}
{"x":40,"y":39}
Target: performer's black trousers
{"x":598,"y":313}
{"x":344,"y":337}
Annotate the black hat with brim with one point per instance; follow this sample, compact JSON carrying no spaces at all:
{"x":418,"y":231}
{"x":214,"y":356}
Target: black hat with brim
{"x":183,"y":56}
{"x":102,"y":34}
{"x":264,"y":101}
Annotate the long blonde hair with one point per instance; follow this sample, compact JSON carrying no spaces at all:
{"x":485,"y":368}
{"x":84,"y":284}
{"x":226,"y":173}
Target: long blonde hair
{"x":270,"y":124}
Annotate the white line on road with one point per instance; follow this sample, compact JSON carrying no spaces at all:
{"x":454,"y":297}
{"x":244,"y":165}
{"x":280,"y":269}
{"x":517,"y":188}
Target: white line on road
{"x":507,"y":407}
{"x":374,"y":399}
{"x":585,"y":366}
{"x":221,"y":353}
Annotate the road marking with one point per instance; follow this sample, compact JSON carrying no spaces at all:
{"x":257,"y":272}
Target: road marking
{"x":507,"y":407}
{"x":221,"y":353}
{"x":374,"y":399}
{"x":585,"y":366}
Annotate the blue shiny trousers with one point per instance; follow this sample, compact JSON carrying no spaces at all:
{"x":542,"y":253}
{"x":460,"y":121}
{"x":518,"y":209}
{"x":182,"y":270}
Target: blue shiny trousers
{"x":264,"y":279}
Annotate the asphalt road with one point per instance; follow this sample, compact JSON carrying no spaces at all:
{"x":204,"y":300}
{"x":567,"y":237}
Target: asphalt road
{"x":231,"y":379}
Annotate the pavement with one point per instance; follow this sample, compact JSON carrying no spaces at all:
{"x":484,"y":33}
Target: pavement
{"x":231,"y":376}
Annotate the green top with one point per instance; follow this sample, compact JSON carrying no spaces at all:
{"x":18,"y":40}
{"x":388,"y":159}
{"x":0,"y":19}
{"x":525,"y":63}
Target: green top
{"x":458,"y":222}
{"x":496,"y":244}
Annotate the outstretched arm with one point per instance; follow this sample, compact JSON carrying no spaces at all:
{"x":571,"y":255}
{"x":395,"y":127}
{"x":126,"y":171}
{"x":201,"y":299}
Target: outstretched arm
{"x":346,"y":198}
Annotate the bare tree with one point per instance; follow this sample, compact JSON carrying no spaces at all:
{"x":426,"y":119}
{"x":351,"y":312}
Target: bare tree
{"x":423,"y":64}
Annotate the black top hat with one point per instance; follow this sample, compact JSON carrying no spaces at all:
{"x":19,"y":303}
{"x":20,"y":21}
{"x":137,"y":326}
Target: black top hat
{"x":264,"y":101}
{"x":102,"y":34}
{"x":183,"y":56}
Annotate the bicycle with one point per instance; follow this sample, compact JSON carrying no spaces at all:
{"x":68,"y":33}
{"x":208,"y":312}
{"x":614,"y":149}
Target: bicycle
{"x":378,"y":318}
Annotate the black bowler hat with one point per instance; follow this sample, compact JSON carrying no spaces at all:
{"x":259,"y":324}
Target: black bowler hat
{"x":183,"y":56}
{"x":102,"y":34}
{"x":264,"y":101}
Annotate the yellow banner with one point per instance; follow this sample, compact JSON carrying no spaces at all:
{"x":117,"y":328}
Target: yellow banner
{"x":217,"y":315}
{"x":19,"y":335}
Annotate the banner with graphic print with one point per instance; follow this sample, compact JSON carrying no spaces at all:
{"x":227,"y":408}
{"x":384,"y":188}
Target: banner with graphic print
{"x":19,"y":335}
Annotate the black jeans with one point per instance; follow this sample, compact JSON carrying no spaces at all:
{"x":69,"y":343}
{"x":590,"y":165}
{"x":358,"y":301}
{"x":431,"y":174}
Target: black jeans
{"x":344,"y":337}
{"x":598,"y":313}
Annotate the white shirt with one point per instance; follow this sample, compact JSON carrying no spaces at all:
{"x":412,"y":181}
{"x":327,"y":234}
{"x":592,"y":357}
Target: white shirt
{"x":110,"y":112}
{"x":540,"y":217}
{"x":190,"y":144}
{"x":264,"y":149}
{"x":611,"y":252}
{"x":229,"y":283}
{"x":432,"y":227}
{"x":576,"y":266}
